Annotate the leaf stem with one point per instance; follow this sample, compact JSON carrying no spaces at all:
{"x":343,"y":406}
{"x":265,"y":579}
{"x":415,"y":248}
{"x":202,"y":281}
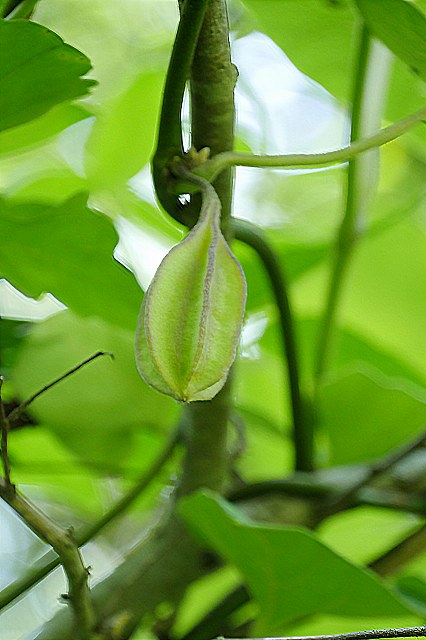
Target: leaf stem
{"x":213,"y":167}
{"x":62,"y":541}
{"x":302,"y":433}
{"x":404,"y":632}
{"x":51,"y":561}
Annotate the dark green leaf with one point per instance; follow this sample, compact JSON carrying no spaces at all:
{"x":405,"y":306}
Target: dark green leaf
{"x":401,"y":26}
{"x":71,"y":258}
{"x":37,"y":71}
{"x":289,"y":571}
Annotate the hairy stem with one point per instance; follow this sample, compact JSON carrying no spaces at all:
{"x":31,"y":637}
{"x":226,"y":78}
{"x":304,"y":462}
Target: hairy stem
{"x":302,"y":432}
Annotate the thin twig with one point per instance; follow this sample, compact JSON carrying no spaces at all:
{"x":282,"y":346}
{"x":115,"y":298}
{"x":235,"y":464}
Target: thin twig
{"x":5,"y":427}
{"x":302,"y":432}
{"x":61,"y":540}
{"x":14,"y":415}
{"x":404,"y":632}
{"x":405,"y":551}
{"x":50,"y":561}
{"x":373,"y":471}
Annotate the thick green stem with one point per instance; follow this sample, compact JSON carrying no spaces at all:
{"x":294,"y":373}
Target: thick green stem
{"x":213,"y":78}
{"x":169,"y":141}
{"x":368,"y":100}
{"x":302,"y":431}
{"x":212,"y":124}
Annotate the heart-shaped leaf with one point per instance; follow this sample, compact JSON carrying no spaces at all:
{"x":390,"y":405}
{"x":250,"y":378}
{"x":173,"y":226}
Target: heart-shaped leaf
{"x":190,"y":322}
{"x":37,"y":71}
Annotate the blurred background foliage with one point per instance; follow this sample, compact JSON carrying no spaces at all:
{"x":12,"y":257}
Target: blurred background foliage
{"x":75,"y":190}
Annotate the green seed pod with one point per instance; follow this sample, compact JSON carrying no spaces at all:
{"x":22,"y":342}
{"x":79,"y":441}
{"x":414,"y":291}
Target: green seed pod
{"x":191,"y":317}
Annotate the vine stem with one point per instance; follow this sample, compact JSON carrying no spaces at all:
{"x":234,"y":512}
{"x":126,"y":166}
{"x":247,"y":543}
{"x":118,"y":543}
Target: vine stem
{"x":403,"y":632}
{"x":169,"y":141}
{"x":62,"y":541}
{"x":211,"y":168}
{"x":302,"y":434}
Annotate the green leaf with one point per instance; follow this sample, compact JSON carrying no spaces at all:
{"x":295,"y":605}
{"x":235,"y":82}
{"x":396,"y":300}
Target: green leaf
{"x":37,"y":131}
{"x":289,"y":571}
{"x":402,"y":28}
{"x":367,"y":414}
{"x":314,"y":35}
{"x":71,"y":258}
{"x":37,"y":71}
{"x":190,"y":322}
{"x":124,"y":133}
{"x":100,"y":410}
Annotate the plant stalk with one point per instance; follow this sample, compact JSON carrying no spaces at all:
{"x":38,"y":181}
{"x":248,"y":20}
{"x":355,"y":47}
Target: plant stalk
{"x":302,"y":432}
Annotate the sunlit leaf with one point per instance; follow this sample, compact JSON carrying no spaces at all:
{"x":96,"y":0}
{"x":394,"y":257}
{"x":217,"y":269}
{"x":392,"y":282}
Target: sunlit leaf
{"x":123,"y":136}
{"x":72,"y":258}
{"x":289,"y":572}
{"x":37,"y":71}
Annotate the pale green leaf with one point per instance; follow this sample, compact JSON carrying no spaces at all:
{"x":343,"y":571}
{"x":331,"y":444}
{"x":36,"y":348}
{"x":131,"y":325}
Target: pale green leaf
{"x":37,"y":71}
{"x":123,"y":136}
{"x":288,"y":571}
